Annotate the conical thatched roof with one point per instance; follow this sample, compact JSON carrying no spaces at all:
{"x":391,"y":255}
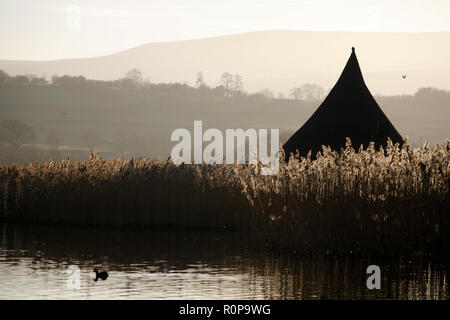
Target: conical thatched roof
{"x":349,"y":110}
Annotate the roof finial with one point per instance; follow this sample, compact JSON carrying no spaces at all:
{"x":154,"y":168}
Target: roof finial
{"x":353,"y":49}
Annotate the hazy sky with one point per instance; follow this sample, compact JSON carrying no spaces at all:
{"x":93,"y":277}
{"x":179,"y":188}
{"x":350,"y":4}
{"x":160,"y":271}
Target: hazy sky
{"x":52,"y":29}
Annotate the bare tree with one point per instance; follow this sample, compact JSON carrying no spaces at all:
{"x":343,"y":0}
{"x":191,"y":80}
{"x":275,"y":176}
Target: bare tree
{"x":232,"y":85}
{"x":227,"y":83}
{"x":134,"y":76}
{"x":313,"y":92}
{"x":238,"y":85}
{"x":200,"y":80}
{"x":296,"y":93}
{"x":267,"y":93}
{"x":16,"y":133}
{"x":307,"y":92}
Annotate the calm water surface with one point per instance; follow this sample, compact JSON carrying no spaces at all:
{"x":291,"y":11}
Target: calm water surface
{"x":145,"y":264}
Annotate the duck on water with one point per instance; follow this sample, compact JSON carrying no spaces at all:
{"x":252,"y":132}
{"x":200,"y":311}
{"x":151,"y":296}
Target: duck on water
{"x":100,"y":275}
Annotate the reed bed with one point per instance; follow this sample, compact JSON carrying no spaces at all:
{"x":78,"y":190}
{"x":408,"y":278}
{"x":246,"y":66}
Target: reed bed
{"x":393,"y":199}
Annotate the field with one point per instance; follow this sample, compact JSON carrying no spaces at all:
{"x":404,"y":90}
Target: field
{"x":120,"y":123}
{"x":383,"y":200}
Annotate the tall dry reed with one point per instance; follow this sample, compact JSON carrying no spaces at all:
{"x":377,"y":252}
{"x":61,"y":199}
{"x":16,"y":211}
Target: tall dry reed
{"x":390,"y":199}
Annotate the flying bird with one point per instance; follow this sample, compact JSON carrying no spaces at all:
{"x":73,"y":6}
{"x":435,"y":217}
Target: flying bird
{"x":404,"y":76}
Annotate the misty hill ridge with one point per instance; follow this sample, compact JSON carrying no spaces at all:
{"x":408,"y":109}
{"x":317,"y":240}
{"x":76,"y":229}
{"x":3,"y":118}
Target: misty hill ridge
{"x":278,"y":60}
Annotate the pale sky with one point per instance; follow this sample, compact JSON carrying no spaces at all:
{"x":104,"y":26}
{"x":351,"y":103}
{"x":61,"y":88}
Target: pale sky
{"x":54,"y":29}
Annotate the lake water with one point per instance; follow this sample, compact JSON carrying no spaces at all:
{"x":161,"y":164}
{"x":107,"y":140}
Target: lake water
{"x":148,"y":264}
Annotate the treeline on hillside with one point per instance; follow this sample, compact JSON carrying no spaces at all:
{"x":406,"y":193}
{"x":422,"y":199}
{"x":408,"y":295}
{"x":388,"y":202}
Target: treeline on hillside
{"x":230,"y":85}
{"x":131,"y":117}
{"x":133,"y":80}
{"x":425,"y":97}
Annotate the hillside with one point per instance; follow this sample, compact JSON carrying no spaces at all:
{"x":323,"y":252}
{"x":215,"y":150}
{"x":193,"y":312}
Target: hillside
{"x":139,"y":123}
{"x":278,"y":60}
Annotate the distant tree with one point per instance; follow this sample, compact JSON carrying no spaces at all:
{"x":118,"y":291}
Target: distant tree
{"x":296,"y":93}
{"x":146,"y":83}
{"x":281,"y":95}
{"x":69,"y":81}
{"x":430,"y":92}
{"x":4,"y":77}
{"x":38,"y":81}
{"x":32,"y":79}
{"x":232,"y":85}
{"x":16,"y":133}
{"x":238,"y":85}
{"x":200,"y":80}
{"x":267,"y":93}
{"x":307,"y":92}
{"x":134,"y":76}
{"x":20,"y":79}
{"x":227,"y":82}
{"x":313,"y":92}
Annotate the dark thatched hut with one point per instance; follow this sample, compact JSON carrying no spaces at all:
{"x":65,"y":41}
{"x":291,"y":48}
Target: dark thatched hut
{"x":349,"y":110}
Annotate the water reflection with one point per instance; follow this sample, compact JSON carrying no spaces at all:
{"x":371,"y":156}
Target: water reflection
{"x":148,"y":264}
